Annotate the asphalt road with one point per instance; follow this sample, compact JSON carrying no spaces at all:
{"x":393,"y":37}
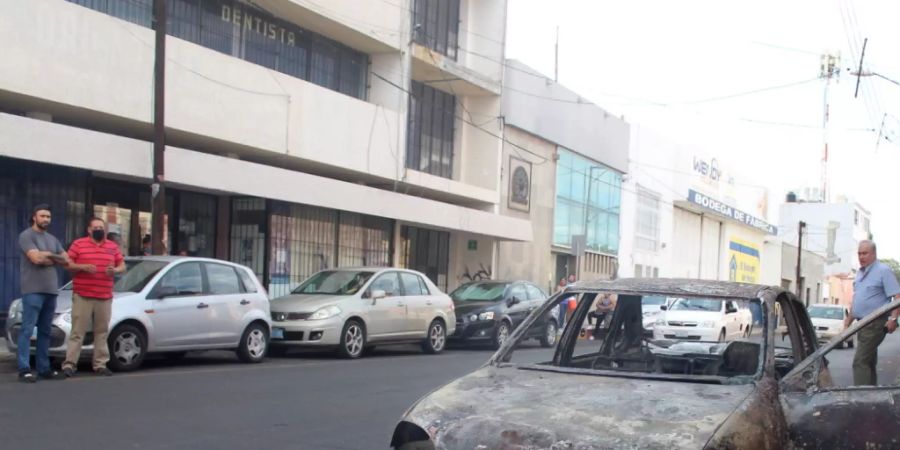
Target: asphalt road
{"x":211,"y":401}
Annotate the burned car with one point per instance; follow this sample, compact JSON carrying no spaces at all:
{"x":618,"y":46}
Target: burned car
{"x":623,"y":389}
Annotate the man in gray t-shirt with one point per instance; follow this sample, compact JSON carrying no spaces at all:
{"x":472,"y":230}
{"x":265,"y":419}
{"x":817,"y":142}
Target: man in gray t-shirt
{"x":41,"y":252}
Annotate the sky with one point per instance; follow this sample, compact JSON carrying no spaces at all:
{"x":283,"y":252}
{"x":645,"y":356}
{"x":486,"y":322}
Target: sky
{"x":739,"y":81}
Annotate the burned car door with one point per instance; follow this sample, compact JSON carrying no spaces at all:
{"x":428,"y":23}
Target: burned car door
{"x":821,"y":415}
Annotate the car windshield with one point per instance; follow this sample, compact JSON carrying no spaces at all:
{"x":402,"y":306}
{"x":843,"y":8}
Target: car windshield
{"x":696,"y":304}
{"x":334,"y":282}
{"x":822,"y":312}
{"x":684,"y":342}
{"x":479,"y":292}
{"x":651,"y":300}
{"x":138,"y":273}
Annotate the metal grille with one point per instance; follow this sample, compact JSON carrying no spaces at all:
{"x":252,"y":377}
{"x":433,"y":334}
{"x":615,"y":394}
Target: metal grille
{"x":248,"y":233}
{"x":302,"y":243}
{"x":436,"y":25}
{"x":364,"y":241}
{"x":196,"y":225}
{"x":426,"y":251}
{"x":249,"y":33}
{"x":432,"y":116}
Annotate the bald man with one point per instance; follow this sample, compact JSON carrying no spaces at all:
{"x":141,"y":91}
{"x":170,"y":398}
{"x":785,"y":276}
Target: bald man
{"x":875,"y":286}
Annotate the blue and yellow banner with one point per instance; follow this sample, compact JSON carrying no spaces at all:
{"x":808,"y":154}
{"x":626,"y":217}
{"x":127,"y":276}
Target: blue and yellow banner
{"x":743,"y":262}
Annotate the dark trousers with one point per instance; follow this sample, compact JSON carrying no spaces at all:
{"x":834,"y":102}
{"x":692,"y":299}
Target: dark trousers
{"x":599,"y":317}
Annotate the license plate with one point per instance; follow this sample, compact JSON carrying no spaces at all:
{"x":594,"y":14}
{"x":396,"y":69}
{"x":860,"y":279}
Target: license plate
{"x":681,"y":334}
{"x":277,"y":333}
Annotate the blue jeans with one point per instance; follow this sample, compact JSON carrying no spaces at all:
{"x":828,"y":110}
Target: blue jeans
{"x":37,"y":309}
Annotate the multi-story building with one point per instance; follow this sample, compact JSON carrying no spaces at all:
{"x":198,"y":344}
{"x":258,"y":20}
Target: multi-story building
{"x":301,"y":134}
{"x":563,"y":163}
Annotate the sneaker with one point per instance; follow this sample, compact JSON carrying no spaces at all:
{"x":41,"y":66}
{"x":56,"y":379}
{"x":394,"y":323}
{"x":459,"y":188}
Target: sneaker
{"x":51,"y":375}
{"x":27,"y":377}
{"x":103,"y":371}
{"x":68,"y":372}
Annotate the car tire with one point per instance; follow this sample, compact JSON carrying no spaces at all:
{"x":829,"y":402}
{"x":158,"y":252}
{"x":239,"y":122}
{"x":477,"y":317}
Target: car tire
{"x":353,"y":340}
{"x":254,"y":343}
{"x":436,"y":338}
{"x":549,"y":338}
{"x":722,"y":336}
{"x":501,"y":334}
{"x":127,"y":348}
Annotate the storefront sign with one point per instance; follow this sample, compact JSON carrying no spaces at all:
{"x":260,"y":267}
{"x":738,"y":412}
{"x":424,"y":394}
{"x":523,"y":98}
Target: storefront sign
{"x":241,"y":17}
{"x":743,"y":262}
{"x":712,"y":204}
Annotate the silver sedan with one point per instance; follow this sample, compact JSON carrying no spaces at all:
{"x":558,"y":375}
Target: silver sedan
{"x":354,"y":309}
{"x":169,"y":305}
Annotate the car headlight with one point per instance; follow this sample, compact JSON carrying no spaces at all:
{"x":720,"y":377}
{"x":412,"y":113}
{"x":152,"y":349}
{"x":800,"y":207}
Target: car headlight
{"x":707,"y":324}
{"x":66,"y":316}
{"x":486,"y":316}
{"x":326,"y":312}
{"x":660,"y":321}
{"x":473,"y":317}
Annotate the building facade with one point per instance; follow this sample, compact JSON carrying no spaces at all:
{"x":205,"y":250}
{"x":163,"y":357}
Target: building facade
{"x":685,"y":215}
{"x":575,"y":155}
{"x":300,"y":135}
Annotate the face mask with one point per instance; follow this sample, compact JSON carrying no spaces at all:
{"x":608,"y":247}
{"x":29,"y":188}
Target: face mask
{"x":98,"y":235}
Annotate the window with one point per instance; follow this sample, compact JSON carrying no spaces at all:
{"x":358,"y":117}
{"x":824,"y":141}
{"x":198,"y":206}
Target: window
{"x":411,"y":284}
{"x":638,"y":271}
{"x":244,"y":31}
{"x":436,"y":25}
{"x":223,"y":280}
{"x":432,"y":116}
{"x":364,"y":241}
{"x":647,"y":227}
{"x":518,"y":292}
{"x":534,"y":293}
{"x":196,"y":225}
{"x":587,"y":203}
{"x":247,"y":280}
{"x":389,"y":283}
{"x":185,"y":279}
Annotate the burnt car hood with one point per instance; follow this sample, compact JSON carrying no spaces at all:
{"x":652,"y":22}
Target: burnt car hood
{"x":514,"y":408}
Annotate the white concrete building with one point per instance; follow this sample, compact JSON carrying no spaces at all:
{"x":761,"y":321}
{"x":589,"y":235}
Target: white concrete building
{"x":301,"y":134}
{"x":850,"y":222}
{"x":686,"y":215}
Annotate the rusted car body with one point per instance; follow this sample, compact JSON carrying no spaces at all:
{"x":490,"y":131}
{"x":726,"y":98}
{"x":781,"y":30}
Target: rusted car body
{"x":772,"y":403}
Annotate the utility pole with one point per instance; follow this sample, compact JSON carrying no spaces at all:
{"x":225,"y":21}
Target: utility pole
{"x":800,"y":229}
{"x":859,"y":72}
{"x":556,"y":57}
{"x":158,"y":186}
{"x":828,"y":69}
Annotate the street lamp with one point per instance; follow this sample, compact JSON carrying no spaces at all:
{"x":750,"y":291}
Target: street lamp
{"x":874,"y":74}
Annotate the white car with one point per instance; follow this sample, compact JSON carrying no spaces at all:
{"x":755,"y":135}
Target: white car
{"x":702,"y":319}
{"x":828,"y":321}
{"x":354,"y":309}
{"x":169,"y":304}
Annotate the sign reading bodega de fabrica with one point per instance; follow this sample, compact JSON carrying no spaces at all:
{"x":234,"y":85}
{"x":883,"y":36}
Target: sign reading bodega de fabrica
{"x":712,"y":204}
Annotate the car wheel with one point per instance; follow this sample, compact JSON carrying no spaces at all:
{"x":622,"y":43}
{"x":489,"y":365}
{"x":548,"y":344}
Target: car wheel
{"x":501,"y":334}
{"x":722,"y":336}
{"x":436,"y":338}
{"x":353,"y":340}
{"x":127,"y":348}
{"x":254,"y":342}
{"x":549,"y":337}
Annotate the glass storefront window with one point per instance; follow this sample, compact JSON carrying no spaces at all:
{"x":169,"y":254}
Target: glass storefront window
{"x":588,"y":197}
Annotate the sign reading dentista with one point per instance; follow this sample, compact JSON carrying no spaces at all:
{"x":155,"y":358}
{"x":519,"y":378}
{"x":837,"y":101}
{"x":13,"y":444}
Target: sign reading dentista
{"x":251,"y":22}
{"x":712,"y":204}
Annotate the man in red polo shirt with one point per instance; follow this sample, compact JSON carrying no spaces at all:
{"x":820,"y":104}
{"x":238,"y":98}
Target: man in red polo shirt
{"x":94,"y":261}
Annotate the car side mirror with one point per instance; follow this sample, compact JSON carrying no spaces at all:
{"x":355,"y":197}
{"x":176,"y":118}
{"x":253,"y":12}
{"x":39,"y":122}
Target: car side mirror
{"x":378,"y":294}
{"x":512,"y":301}
{"x":664,"y":307}
{"x":166,"y":291}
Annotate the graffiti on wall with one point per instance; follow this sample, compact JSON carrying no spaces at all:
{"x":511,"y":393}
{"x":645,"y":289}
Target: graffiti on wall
{"x":483,"y":273}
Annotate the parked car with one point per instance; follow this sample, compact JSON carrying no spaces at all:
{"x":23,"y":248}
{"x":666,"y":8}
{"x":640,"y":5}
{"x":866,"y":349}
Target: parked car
{"x":355,"y":309}
{"x":169,"y":304}
{"x":488,"y":311}
{"x":828,"y":321}
{"x":627,"y":391}
{"x":703,"y":319}
{"x":652,"y":308}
